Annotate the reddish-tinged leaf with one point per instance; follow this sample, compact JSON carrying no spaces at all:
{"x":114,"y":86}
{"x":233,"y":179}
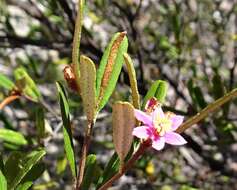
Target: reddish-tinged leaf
{"x":123,"y":124}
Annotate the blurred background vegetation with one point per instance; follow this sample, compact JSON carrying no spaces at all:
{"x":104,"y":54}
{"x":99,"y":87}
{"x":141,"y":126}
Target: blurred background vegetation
{"x":192,"y":44}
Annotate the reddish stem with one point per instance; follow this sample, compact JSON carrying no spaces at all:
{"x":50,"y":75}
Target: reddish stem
{"x":8,"y":100}
{"x":127,"y":166}
{"x":82,"y":163}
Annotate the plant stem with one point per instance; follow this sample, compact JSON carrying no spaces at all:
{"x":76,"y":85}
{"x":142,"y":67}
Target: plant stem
{"x":127,"y":166}
{"x":204,"y":113}
{"x":85,"y":147}
{"x":76,"y":41}
{"x":8,"y":100}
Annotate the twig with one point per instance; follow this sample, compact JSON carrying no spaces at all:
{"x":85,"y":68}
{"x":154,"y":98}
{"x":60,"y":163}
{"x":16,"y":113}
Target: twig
{"x":13,"y":41}
{"x":130,"y":17}
{"x":18,"y":41}
{"x":127,"y":166}
{"x":232,"y":70}
{"x":65,"y":6}
{"x":76,"y":41}
{"x":47,"y":107}
{"x":82,"y":163}
{"x":204,"y":113}
{"x":8,"y":100}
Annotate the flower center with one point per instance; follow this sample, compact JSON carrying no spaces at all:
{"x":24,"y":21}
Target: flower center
{"x":162,"y":125}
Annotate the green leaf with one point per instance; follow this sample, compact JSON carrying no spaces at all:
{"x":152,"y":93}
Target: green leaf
{"x":3,"y":181}
{"x":13,"y":166}
{"x":161,"y":91}
{"x":25,"y":185}
{"x":164,"y":43}
{"x":110,"y":68}
{"x":12,"y":137}
{"x":218,"y":86}
{"x":196,"y":95}
{"x":5,"y":82}
{"x":61,"y":165}
{"x":40,"y":122}
{"x":199,"y":97}
{"x":36,"y":171}
{"x":158,"y":89}
{"x":7,"y":123}
{"x":132,"y":80}
{"x":25,"y":83}
{"x":111,"y":168}
{"x":87,"y":85}
{"x":89,"y":172}
{"x":1,"y":163}
{"x":103,"y":63}
{"x":25,"y":166}
{"x":219,"y":90}
{"x":67,"y":133}
{"x":10,"y":146}
{"x":150,"y":93}
{"x":191,"y":92}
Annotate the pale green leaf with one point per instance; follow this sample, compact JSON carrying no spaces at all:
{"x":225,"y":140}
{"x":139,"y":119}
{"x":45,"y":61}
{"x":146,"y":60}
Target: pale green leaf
{"x":87,"y":85}
{"x":11,"y":136}
{"x":25,"y":185}
{"x":5,"y":82}
{"x":3,"y":181}
{"x":133,"y":80}
{"x":25,"y":84}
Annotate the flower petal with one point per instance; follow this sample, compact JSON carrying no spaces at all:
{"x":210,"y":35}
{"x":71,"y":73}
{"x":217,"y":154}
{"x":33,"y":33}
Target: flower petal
{"x":158,"y":113}
{"x":158,"y":143}
{"x":143,"y":117}
{"x":177,"y":120}
{"x":174,"y":138}
{"x":142,"y":132}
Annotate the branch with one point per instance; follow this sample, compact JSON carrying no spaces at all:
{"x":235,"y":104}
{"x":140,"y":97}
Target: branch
{"x":127,"y":166}
{"x":84,"y":152}
{"x":8,"y":100}
{"x":206,"y":111}
{"x":13,"y":41}
{"x":65,"y":6}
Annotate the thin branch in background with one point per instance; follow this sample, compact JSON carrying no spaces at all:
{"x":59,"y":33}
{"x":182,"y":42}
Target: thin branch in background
{"x":65,"y":6}
{"x":13,"y":41}
{"x":232,"y":70}
{"x":17,"y":41}
{"x":130,"y":17}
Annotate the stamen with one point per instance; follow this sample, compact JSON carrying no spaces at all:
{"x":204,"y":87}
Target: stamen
{"x":162,"y":125}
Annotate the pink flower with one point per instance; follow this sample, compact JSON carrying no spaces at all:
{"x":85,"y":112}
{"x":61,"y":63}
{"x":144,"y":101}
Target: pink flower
{"x":159,"y":127}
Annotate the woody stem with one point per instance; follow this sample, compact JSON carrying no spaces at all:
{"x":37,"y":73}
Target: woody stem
{"x":127,"y":166}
